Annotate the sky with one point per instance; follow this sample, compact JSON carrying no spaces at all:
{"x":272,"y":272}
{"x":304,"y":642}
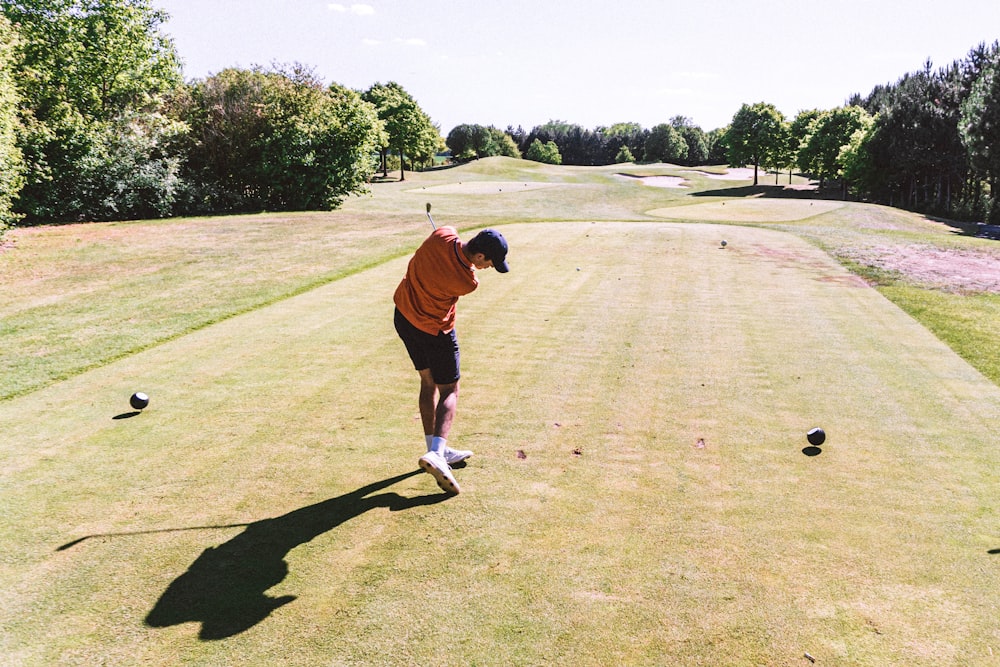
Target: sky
{"x":588,"y":62}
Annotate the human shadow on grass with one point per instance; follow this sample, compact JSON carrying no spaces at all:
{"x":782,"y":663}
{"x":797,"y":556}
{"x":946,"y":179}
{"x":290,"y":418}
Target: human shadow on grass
{"x":225,"y":588}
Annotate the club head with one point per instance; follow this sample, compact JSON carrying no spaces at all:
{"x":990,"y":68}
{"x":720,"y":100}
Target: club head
{"x":428,"y":207}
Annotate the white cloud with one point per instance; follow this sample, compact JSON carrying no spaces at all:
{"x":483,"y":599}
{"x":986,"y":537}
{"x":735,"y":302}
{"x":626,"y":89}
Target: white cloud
{"x":368,"y":41}
{"x":412,"y":41}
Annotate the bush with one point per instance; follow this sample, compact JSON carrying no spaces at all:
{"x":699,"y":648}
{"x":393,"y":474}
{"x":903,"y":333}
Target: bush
{"x":547,"y":152}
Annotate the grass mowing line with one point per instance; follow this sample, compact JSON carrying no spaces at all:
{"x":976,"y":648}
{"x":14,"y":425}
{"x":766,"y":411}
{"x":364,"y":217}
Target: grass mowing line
{"x":136,"y":349}
{"x":147,"y":283}
{"x":643,"y":548}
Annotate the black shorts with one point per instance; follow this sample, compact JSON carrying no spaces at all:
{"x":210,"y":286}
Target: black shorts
{"x":438,"y":353}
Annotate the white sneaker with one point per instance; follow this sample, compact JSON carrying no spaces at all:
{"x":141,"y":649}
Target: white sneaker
{"x":453,"y":456}
{"x":435,"y":464}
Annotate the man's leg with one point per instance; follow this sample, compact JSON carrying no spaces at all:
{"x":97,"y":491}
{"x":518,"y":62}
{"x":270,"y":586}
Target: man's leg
{"x":447,"y":406}
{"x":438,"y":405}
{"x":428,"y":402}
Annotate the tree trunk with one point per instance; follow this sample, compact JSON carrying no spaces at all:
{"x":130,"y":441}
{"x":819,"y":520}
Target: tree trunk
{"x":402,"y":172}
{"x":756,"y":161}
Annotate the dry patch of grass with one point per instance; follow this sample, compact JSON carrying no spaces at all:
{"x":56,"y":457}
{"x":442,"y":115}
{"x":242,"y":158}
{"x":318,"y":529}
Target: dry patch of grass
{"x":736,"y":211}
{"x":485,"y":187}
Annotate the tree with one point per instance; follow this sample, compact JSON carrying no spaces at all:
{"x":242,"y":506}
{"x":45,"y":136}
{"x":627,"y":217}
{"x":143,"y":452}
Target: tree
{"x":630,"y":136}
{"x":409,"y":130}
{"x":577,"y":145}
{"x":547,"y":152}
{"x":86,"y":68}
{"x":820,"y":151}
{"x":503,"y":144}
{"x":11,"y":158}
{"x":694,"y":137}
{"x":461,"y":141}
{"x":466,"y":141}
{"x":717,"y":149}
{"x":857,"y":166}
{"x":782,"y":153}
{"x":276,"y":140}
{"x":99,"y":57}
{"x":665,"y":144}
{"x":755,"y":132}
{"x":624,"y":155}
{"x":980,"y":130}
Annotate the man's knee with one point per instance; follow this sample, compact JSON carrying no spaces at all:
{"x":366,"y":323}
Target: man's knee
{"x":448,"y":389}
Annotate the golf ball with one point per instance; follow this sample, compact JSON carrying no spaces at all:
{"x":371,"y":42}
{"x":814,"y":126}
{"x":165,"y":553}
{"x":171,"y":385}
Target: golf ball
{"x":816,"y":436}
{"x":724,"y":243}
{"x":139,"y":400}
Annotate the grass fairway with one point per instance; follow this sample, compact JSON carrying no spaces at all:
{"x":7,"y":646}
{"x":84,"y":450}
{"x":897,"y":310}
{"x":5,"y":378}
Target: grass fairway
{"x":641,"y":493}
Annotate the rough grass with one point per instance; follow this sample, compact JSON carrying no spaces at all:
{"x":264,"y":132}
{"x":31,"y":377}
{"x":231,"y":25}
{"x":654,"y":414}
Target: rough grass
{"x":665,"y":510}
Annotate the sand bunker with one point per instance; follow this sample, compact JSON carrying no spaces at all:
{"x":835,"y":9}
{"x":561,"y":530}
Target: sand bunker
{"x":738,"y":174}
{"x":663,"y":181}
{"x":749,"y":210}
{"x":485,"y":187}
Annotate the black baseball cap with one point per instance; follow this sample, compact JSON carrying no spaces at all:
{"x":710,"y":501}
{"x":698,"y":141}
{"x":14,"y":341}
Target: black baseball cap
{"x":493,"y":245}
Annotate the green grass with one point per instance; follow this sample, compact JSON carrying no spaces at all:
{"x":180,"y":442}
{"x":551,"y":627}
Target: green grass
{"x":264,"y":510}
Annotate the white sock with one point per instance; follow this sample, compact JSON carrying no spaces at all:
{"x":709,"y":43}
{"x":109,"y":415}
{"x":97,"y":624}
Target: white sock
{"x":428,"y":439}
{"x":438,"y":444}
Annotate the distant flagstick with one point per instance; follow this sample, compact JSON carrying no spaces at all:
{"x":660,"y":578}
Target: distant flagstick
{"x":433,"y":226}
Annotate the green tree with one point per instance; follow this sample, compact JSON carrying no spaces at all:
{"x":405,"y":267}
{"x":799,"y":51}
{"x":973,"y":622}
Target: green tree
{"x":85,"y":68}
{"x":820,"y":151}
{"x":547,"y":152}
{"x":695,"y":139}
{"x":665,"y":144}
{"x":276,"y":140}
{"x":980,"y":130}
{"x":799,"y":128}
{"x":857,"y":165}
{"x":624,"y":155}
{"x":461,"y":141}
{"x":624,"y":135}
{"x":577,"y":145}
{"x":503,"y":143}
{"x":467,"y":141}
{"x":782,"y":154}
{"x":754,"y":134}
{"x":717,"y":149}
{"x":408,"y":129}
{"x":11,"y":158}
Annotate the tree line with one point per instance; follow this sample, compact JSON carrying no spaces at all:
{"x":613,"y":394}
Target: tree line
{"x":558,"y":142}
{"x":930,"y":142}
{"x":96,"y":123}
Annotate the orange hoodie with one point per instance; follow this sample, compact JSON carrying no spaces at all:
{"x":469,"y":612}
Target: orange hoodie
{"x":437,"y":275}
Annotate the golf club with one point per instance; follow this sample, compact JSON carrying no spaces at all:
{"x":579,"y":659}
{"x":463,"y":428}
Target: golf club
{"x":433,"y":226}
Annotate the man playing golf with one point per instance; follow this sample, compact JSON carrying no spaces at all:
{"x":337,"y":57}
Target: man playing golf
{"x":442,"y":269}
